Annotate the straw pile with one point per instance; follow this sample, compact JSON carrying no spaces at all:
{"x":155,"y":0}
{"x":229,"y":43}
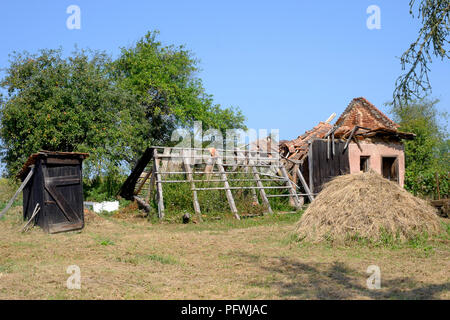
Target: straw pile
{"x":366,"y":205}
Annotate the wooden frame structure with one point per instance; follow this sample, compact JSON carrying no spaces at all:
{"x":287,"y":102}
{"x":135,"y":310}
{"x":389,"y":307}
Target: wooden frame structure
{"x":214,"y":166}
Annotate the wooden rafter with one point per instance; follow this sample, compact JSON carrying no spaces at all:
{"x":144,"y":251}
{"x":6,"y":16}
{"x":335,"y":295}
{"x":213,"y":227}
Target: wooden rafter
{"x":150,"y":181}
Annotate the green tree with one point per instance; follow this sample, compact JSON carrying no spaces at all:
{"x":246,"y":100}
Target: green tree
{"x":432,"y":40}
{"x":67,"y":104}
{"x":426,"y":155}
{"x":111,"y":109}
{"x":164,"y":81}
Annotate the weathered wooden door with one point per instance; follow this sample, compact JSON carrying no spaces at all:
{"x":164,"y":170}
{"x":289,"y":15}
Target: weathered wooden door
{"x":390,"y":168}
{"x":394,"y":170}
{"x":63,"y":195}
{"x":326,"y":161}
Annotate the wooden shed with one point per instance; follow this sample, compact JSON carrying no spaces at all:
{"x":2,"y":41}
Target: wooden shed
{"x":55,"y":189}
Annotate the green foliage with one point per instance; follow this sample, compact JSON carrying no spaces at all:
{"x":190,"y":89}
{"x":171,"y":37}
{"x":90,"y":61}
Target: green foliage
{"x":106,"y":242}
{"x":214,"y":203}
{"x":163,"y":80}
{"x":66,"y":104}
{"x":446,"y":227}
{"x":428,"y":154}
{"x":424,"y":183}
{"x":111,"y":109}
{"x":432,"y":40}
{"x":228,"y":222}
{"x":102,"y":187}
{"x":102,"y":240}
{"x":7,"y":189}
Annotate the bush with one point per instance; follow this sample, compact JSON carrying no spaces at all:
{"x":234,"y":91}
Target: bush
{"x":425,"y":184}
{"x":102,"y":188}
{"x":427,"y":154}
{"x":213,"y":203}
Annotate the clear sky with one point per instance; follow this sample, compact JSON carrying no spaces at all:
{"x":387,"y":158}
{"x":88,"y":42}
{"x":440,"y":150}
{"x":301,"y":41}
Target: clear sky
{"x":286,"y":64}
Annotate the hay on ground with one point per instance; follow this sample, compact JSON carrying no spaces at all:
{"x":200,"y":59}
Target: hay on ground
{"x":91,"y":217}
{"x":366,"y":205}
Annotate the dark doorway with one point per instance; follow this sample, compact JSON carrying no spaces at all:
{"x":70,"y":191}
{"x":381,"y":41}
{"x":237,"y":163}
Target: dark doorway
{"x":389,"y":167}
{"x":364,"y":163}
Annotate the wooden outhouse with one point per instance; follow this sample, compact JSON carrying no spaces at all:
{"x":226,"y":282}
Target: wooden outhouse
{"x":54,"y":190}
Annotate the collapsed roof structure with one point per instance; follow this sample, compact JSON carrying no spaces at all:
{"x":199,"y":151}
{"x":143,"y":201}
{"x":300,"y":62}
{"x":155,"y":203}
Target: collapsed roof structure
{"x":367,"y":137}
{"x":362,"y":138}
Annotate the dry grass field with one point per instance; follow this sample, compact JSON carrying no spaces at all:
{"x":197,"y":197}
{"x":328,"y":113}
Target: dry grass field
{"x":126,"y":257}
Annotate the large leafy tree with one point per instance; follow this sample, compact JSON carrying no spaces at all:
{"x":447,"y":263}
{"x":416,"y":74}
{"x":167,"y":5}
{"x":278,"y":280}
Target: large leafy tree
{"x":432,"y":41}
{"x":427,"y":155}
{"x":165,"y":83}
{"x":111,"y":109}
{"x":66,"y":104}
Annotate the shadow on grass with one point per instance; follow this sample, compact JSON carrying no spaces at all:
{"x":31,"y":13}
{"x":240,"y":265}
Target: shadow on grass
{"x":294,"y":279}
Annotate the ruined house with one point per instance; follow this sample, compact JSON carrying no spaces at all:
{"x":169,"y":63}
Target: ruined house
{"x":362,"y":138}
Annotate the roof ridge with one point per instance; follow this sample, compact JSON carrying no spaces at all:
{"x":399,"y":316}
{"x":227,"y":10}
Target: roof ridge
{"x":371,"y":105}
{"x":372,"y":109}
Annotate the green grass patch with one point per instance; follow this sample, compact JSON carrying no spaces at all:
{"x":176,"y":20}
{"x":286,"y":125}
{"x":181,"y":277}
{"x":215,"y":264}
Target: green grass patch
{"x":178,"y":198}
{"x":229,"y":222}
{"x":421,"y":242}
{"x":160,"y":259}
{"x":103,"y":241}
{"x":137,"y":259}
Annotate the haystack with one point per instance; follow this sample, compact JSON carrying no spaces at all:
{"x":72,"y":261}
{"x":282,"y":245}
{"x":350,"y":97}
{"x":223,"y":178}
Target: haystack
{"x":366,"y":205}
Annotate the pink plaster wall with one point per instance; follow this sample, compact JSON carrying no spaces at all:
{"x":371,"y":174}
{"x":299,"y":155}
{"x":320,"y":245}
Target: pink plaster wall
{"x":376,"y":151}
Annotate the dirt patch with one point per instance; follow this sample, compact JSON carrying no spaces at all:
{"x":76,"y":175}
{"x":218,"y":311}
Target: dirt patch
{"x":91,"y":217}
{"x":130,"y":212}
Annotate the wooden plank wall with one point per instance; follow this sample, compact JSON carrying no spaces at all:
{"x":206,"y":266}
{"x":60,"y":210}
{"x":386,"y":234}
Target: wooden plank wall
{"x":324,"y":169}
{"x":127,"y":189}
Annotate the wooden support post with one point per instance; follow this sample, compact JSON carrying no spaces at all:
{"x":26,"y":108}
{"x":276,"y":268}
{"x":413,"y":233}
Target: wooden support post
{"x":305,"y":186}
{"x":355,"y":128}
{"x":227,"y":186}
{"x":24,"y":183}
{"x":143,"y":204}
{"x":437,"y":186}
{"x":311,"y":167}
{"x":165,"y":160}
{"x":187,"y":168}
{"x":332,"y":143}
{"x":255,"y":196}
{"x":247,"y":163}
{"x":150,"y":186}
{"x":158,"y":185}
{"x":292,"y":189}
{"x":328,"y":148}
{"x":128,"y":187}
{"x":141,"y":183}
{"x":294,"y":179}
{"x":262,"y":193}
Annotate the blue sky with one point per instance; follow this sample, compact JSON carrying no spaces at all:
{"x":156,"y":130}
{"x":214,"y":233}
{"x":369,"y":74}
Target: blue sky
{"x":286,"y":64}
